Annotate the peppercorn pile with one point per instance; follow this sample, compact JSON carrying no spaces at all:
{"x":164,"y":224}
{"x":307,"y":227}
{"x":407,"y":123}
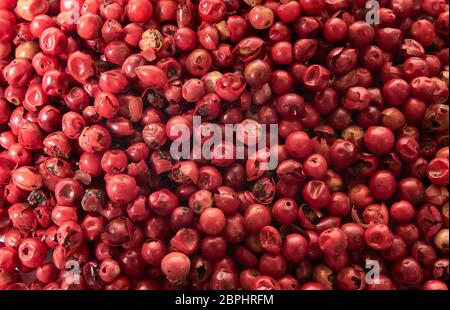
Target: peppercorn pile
{"x":89,"y":92}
